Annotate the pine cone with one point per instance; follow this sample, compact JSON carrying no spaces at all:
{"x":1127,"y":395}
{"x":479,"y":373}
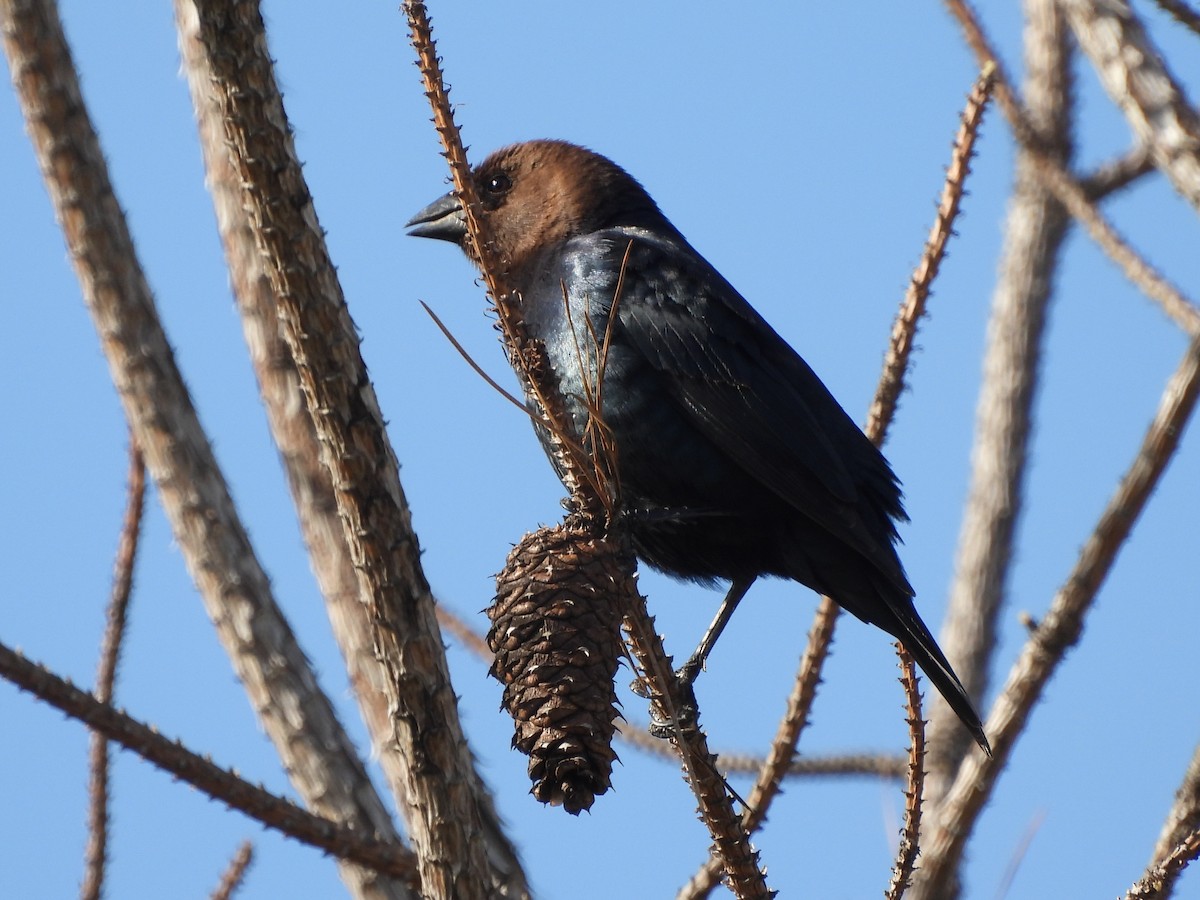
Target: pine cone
{"x":556,"y":635}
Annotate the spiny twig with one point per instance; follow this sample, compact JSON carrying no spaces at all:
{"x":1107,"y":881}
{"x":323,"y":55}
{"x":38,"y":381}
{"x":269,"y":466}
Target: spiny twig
{"x":96,"y":851}
{"x":906,"y":854}
{"x":235,"y":873}
{"x":1156,"y":883}
{"x":1059,"y":629}
{"x":1069,"y":192}
{"x":891,"y":380}
{"x":200,"y":772}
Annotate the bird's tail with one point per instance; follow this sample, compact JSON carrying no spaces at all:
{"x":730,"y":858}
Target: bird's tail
{"x":917,"y":640}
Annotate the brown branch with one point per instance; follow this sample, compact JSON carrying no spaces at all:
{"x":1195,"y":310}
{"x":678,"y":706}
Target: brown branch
{"x":442,"y":796}
{"x":235,"y":874}
{"x":1181,"y":13}
{"x":295,"y":435}
{"x":906,"y":853}
{"x":1117,"y":174}
{"x":674,"y":703}
{"x":891,"y":380}
{"x":221,"y":784}
{"x":879,"y":419}
{"x":321,"y":759}
{"x":1136,"y":77}
{"x":584,"y":479}
{"x":1182,"y":819}
{"x":96,"y":851}
{"x":1158,"y":883}
{"x":1035,"y":230}
{"x":1069,"y":192}
{"x":1059,"y":630}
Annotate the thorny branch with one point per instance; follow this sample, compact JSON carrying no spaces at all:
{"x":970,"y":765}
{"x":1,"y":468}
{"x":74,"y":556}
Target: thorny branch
{"x":235,"y":874}
{"x":1059,"y":629}
{"x":906,"y":853}
{"x":96,"y":852}
{"x":1069,"y":192}
{"x":320,"y":758}
{"x":590,"y":492}
{"x":220,"y":784}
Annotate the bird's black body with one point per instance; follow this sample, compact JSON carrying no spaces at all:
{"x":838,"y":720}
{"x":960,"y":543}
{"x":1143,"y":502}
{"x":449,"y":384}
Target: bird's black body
{"x":733,"y":460}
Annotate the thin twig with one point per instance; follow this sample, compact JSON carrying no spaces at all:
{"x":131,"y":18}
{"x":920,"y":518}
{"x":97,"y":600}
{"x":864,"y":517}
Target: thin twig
{"x":1181,"y":13}
{"x":1070,"y":193}
{"x":1182,"y":819}
{"x":891,"y":380}
{"x":1137,"y":80}
{"x":674,"y":703}
{"x":1117,"y":174}
{"x":322,"y":761}
{"x":1036,"y":227}
{"x":96,"y":851}
{"x":198,"y":771}
{"x":584,"y":480}
{"x":235,"y":874}
{"x":946,"y":836}
{"x":879,"y":419}
{"x":906,"y":854}
{"x":1158,"y":882}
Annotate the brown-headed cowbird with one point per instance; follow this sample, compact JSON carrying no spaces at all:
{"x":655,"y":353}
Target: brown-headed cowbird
{"x":733,"y":460}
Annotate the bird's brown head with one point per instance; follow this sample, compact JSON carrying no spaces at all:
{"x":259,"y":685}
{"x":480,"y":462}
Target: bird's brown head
{"x":538,"y":194}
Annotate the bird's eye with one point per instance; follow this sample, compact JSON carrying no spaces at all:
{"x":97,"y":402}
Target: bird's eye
{"x":498,"y":184}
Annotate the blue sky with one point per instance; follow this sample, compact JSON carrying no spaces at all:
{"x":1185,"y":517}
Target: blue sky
{"x":801,"y":152}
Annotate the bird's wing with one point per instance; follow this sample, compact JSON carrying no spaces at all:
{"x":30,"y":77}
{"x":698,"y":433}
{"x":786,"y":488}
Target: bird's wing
{"x":752,"y":395}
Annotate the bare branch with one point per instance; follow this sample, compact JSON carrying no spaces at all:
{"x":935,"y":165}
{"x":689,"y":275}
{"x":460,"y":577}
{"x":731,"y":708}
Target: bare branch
{"x":96,"y":851}
{"x":906,"y":853}
{"x":1136,"y":78}
{"x":1070,"y":193}
{"x":442,"y":796}
{"x":235,"y":875}
{"x":946,"y":837}
{"x":1182,"y":819}
{"x":674,"y":703}
{"x":904,"y":330}
{"x":1117,"y":174}
{"x":295,"y":436}
{"x":1034,"y":234}
{"x":1181,"y":13}
{"x":1159,"y":881}
{"x":344,"y":842}
{"x":300,"y":720}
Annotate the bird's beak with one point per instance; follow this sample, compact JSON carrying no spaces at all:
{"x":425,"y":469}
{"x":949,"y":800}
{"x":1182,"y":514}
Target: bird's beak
{"x":442,"y":219}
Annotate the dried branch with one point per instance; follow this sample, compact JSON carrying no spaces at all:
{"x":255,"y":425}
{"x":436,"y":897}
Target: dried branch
{"x":1120,"y":173}
{"x":1181,"y":13}
{"x":295,"y":435}
{"x":1182,"y":819}
{"x":1158,"y":883}
{"x":906,"y":853}
{"x":1133,"y":71}
{"x":947,"y":834}
{"x":364,"y":848}
{"x":442,"y":796}
{"x":879,"y":419}
{"x":674,"y":703}
{"x":95,"y":854}
{"x":904,"y":330}
{"x":235,"y":874}
{"x":1034,"y":235}
{"x":583,"y":478}
{"x":321,"y":759}
{"x":1070,"y":193}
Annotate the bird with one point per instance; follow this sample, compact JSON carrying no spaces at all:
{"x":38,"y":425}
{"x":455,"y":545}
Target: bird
{"x":732,"y":459}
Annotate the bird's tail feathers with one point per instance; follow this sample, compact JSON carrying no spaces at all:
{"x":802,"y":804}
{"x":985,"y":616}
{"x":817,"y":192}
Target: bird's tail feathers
{"x":917,"y":640}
